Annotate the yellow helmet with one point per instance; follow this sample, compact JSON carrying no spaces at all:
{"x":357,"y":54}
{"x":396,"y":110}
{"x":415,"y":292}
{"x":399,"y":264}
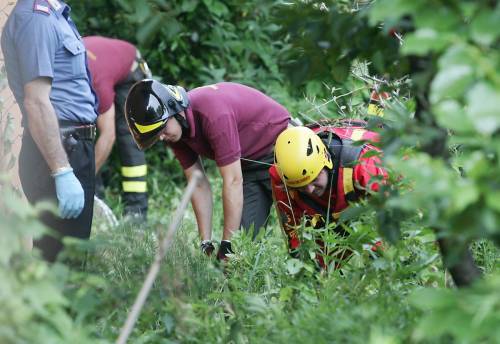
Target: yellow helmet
{"x":299,"y":156}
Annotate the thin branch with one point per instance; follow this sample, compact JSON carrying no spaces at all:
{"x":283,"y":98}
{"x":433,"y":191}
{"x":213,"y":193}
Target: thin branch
{"x":155,"y":267}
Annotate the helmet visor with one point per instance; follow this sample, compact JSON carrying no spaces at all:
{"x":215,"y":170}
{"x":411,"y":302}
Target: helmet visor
{"x":146,"y":135}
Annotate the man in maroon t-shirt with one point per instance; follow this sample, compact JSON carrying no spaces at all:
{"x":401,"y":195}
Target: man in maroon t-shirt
{"x":114,"y":66}
{"x":233,"y":124}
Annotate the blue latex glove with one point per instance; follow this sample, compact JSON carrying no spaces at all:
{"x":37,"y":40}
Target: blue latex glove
{"x":69,"y":194}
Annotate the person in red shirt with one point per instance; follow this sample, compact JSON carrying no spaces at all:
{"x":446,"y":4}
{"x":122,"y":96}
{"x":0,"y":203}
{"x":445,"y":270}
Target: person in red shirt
{"x":318,"y":172}
{"x":233,"y":124}
{"x":115,"y":65}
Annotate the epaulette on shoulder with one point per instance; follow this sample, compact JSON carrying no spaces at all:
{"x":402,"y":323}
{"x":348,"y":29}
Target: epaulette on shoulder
{"x":41,"y":6}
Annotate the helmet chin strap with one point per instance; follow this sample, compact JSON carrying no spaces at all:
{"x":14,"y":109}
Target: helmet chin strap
{"x":183,"y":122}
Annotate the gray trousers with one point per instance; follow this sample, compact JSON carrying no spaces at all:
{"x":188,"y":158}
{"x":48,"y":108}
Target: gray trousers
{"x":257,"y":196}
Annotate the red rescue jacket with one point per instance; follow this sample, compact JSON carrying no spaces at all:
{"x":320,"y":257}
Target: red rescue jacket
{"x":351,"y":181}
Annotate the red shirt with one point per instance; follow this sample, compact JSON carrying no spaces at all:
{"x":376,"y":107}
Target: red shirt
{"x":110,"y":61}
{"x":229,"y":121}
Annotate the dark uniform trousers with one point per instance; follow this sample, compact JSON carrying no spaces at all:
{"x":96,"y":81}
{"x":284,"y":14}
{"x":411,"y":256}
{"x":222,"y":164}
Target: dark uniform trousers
{"x":38,"y":185}
{"x":132,"y":159}
{"x":257,"y":193}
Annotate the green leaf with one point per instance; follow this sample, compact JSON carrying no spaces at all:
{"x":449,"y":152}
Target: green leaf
{"x":426,"y":299}
{"x":423,"y":41}
{"x":286,"y":294}
{"x":493,"y":200}
{"x":171,"y":29}
{"x":142,"y":11}
{"x":451,"y":82}
{"x":465,"y":194}
{"x":168,"y":322}
{"x":485,"y":28}
{"x":293,"y":266}
{"x":483,"y":103}
{"x":458,"y":54}
{"x":125,"y":5}
{"x":216,"y":7}
{"x":189,"y":5}
{"x":148,"y":30}
{"x":450,"y":114}
{"x":384,"y":10}
{"x":340,"y":70}
{"x":437,"y":17}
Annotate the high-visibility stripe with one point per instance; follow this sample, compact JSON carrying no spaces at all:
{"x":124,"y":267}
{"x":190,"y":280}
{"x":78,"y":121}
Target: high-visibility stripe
{"x":347,"y":180}
{"x":357,"y":134}
{"x":134,"y":171}
{"x":375,"y":110}
{"x":147,"y":128}
{"x":135,"y":186}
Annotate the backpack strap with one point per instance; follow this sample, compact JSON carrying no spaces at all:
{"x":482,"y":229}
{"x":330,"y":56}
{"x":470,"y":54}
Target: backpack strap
{"x":345,"y":154}
{"x":349,"y":157}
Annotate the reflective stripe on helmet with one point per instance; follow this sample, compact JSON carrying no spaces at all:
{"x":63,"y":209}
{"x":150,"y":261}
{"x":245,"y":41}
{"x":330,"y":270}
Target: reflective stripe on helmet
{"x":143,"y":129}
{"x":174,"y":91}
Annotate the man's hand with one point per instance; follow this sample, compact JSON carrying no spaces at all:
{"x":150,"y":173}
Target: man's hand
{"x":207,"y":247}
{"x":69,"y":194}
{"x":224,"y":250}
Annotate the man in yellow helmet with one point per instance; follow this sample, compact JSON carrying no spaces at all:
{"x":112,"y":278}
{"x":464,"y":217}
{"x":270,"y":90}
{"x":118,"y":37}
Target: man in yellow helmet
{"x":317,"y":172}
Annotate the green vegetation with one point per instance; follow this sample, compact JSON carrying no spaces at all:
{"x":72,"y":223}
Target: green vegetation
{"x":441,"y":144}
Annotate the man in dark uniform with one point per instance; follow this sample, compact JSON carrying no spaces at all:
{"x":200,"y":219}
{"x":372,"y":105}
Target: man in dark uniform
{"x":115,"y":65}
{"x":233,"y":124}
{"x":46,"y":69}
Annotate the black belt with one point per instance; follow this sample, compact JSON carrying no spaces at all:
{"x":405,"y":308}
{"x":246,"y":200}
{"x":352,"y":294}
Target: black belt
{"x":78,"y":132}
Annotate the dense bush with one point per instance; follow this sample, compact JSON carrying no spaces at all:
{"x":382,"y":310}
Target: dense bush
{"x":442,"y":184}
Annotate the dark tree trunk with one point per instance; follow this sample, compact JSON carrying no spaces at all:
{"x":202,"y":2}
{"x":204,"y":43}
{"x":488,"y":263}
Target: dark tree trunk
{"x":459,"y":261}
{"x":457,"y":257}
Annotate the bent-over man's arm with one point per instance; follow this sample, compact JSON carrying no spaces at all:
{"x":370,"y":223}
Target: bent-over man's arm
{"x":201,"y":201}
{"x":107,"y":137}
{"x":232,"y":197}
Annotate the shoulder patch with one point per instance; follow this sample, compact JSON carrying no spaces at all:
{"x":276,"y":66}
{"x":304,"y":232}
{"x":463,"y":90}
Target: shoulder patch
{"x":41,"y":6}
{"x":56,"y":5}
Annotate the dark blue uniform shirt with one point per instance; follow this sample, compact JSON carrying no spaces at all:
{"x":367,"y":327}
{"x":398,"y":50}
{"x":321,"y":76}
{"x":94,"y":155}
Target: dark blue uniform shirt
{"x":40,"y":40}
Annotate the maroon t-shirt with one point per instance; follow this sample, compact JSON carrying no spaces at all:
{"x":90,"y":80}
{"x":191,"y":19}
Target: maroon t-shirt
{"x":109,"y":62}
{"x":229,"y":121}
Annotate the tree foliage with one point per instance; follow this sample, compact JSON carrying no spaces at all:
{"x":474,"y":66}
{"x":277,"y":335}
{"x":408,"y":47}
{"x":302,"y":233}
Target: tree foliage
{"x":449,"y":49}
{"x":194,"y":42}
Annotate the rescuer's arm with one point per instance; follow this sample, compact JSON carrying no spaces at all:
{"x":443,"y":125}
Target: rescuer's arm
{"x":107,"y":136}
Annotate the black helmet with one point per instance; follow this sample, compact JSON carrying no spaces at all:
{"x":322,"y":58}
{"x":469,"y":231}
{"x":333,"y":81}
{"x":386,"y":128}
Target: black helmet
{"x":148,"y":106}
